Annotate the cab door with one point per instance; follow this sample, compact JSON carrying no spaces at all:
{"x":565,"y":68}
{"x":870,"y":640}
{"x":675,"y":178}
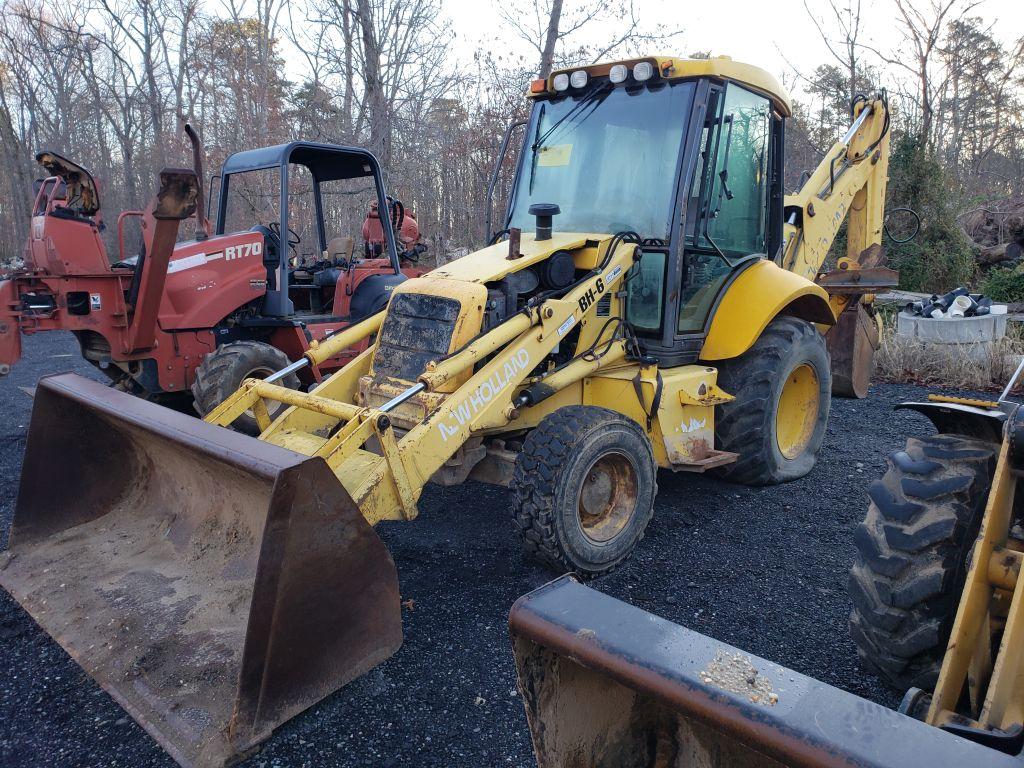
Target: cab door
{"x":729,"y":217}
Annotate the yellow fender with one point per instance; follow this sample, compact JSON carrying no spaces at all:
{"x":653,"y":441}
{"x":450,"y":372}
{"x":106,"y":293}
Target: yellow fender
{"x":760,"y":293}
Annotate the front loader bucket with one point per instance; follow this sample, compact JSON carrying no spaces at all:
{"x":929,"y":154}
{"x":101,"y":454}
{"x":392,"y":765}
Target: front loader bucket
{"x":214,"y":585}
{"x":607,"y":685}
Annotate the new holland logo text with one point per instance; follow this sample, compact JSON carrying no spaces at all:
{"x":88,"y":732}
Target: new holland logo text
{"x":486,"y":392}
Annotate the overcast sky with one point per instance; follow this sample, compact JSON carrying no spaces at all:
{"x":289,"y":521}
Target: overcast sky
{"x":767,"y":33}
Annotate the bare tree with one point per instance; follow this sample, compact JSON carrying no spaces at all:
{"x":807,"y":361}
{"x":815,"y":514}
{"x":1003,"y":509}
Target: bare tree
{"x":843,"y":47}
{"x":923,"y":23}
{"x":568,"y":35}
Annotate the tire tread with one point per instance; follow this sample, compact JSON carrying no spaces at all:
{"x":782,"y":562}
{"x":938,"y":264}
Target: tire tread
{"x":912,"y":548}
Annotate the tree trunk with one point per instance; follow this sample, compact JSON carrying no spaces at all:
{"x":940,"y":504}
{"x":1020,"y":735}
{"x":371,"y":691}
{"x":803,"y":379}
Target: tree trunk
{"x":995,"y":254}
{"x":547,"y":56}
{"x":379,"y":123}
{"x":346,"y":104}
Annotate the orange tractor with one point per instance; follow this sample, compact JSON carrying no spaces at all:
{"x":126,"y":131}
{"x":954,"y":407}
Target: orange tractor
{"x":184,"y":321}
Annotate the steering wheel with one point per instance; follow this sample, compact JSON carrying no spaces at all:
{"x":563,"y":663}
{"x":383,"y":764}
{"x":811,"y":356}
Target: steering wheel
{"x":293,"y":236}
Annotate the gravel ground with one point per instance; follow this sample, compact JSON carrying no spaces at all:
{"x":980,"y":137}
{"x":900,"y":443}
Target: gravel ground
{"x":762,"y":569}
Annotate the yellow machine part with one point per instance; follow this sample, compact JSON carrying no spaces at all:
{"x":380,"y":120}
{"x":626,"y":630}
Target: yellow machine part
{"x":465,"y":300}
{"x":992,"y":600}
{"x":797,"y":411}
{"x":759,"y":294}
{"x":680,"y":67}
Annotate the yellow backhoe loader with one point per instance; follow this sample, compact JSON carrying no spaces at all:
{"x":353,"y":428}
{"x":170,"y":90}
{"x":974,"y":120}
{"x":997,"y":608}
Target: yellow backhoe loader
{"x":938,"y":602}
{"x":655,"y":302}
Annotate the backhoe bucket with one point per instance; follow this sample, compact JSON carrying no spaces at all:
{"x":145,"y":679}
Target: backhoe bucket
{"x":608,"y":685}
{"x":214,"y":585}
{"x":852,"y":342}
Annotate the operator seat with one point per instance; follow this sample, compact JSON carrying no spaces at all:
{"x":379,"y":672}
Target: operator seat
{"x":340,"y":249}
{"x":339,"y":253}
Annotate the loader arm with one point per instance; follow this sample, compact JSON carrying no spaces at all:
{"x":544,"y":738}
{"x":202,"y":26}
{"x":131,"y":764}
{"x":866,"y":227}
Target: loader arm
{"x":386,"y":486}
{"x":991,"y":607}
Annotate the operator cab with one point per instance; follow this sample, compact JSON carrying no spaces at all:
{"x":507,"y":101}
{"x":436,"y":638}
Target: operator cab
{"x":309,"y":202}
{"x":687,"y":154}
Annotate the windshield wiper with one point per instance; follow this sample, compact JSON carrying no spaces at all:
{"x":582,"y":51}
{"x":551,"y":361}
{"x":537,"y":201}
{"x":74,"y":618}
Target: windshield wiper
{"x":539,"y":142}
{"x":540,"y":138}
{"x":724,"y":193}
{"x":536,"y":142}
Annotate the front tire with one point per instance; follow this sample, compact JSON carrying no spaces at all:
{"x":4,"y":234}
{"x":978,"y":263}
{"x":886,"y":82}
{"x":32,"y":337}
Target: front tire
{"x":583,"y":489}
{"x":783,"y":387}
{"x":912,"y":551}
{"x":222,"y":372}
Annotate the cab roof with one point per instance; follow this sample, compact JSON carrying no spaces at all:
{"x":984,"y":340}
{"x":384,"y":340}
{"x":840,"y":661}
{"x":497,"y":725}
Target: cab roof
{"x":326,"y":162}
{"x":677,"y":68}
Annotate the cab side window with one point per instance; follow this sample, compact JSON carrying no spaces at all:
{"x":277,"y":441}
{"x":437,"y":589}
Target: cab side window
{"x":736,"y":201}
{"x":727,"y":209}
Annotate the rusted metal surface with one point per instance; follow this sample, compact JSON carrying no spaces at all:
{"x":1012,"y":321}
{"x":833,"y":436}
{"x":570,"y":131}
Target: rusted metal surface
{"x":859,"y":281}
{"x":852,"y":342}
{"x":514,"y":240}
{"x":608,"y":497}
{"x":202,"y":230}
{"x":870,"y":257}
{"x":81,"y":187}
{"x":215,"y":585}
{"x":10,"y":330}
{"x":607,"y":684}
{"x":174,"y":201}
{"x":178,"y":195}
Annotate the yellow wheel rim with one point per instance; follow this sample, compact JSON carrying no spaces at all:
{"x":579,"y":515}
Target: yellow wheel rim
{"x":797,"y":412}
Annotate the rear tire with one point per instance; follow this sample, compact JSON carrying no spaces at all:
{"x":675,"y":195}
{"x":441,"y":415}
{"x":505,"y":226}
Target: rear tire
{"x":912,"y":551}
{"x":786,"y":372}
{"x":583,"y":489}
{"x":222,"y":372}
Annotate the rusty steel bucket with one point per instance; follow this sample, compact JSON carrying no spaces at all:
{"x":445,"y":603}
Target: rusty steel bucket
{"x":608,"y":685}
{"x":214,"y":585}
{"x":852,"y":343}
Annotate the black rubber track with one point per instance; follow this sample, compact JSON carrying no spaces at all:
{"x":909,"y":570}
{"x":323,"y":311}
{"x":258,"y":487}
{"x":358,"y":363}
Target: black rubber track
{"x":912,"y":551}
{"x":747,"y":424}
{"x":542,"y":468}
{"x":222,"y":372}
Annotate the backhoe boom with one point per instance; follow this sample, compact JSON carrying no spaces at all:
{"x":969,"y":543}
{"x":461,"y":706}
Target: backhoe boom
{"x":847,"y":186}
{"x":849,"y":182}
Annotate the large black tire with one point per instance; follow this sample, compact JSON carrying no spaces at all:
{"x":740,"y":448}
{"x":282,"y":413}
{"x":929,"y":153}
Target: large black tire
{"x":222,"y":372}
{"x":583,"y":489}
{"x":747,"y":425}
{"x":912,"y":551}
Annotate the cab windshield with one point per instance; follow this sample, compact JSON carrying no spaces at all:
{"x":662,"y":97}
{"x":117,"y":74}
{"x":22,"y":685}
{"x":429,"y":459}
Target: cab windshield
{"x":607,"y":157}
